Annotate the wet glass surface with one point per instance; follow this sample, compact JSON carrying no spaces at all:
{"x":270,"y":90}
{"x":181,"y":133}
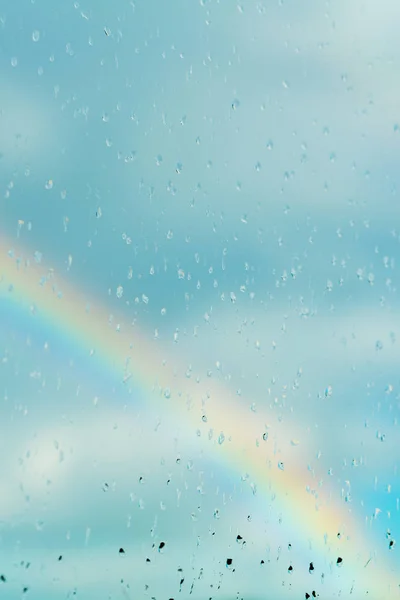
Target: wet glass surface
{"x":199,"y":236}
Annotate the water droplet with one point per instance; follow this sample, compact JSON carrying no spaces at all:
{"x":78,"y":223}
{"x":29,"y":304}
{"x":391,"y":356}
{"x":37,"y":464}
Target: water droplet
{"x":36,"y":35}
{"x":221,"y":438}
{"x":281,"y":466}
{"x":380,"y":436}
{"x":120,"y":291}
{"x":235,"y":104}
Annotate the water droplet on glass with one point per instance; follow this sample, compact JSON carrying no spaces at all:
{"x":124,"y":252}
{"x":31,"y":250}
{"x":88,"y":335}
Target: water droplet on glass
{"x":36,"y":35}
{"x":380,"y":436}
{"x":221,"y":438}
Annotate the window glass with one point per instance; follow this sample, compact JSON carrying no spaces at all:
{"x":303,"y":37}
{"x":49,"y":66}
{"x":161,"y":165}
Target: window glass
{"x":199,"y":237}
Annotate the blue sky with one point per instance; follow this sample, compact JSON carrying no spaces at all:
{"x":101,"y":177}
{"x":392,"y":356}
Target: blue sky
{"x":224,"y":175}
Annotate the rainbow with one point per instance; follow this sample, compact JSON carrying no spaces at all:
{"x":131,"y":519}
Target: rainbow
{"x":126,"y":352}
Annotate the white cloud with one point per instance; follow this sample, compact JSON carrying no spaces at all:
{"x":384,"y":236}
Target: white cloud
{"x":30,"y":130}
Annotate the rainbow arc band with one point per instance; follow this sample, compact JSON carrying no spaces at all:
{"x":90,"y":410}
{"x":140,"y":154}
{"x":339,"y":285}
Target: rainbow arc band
{"x":26,"y":283}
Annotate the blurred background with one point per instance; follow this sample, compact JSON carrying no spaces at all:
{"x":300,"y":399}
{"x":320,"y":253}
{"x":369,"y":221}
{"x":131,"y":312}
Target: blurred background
{"x":199,"y":321}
